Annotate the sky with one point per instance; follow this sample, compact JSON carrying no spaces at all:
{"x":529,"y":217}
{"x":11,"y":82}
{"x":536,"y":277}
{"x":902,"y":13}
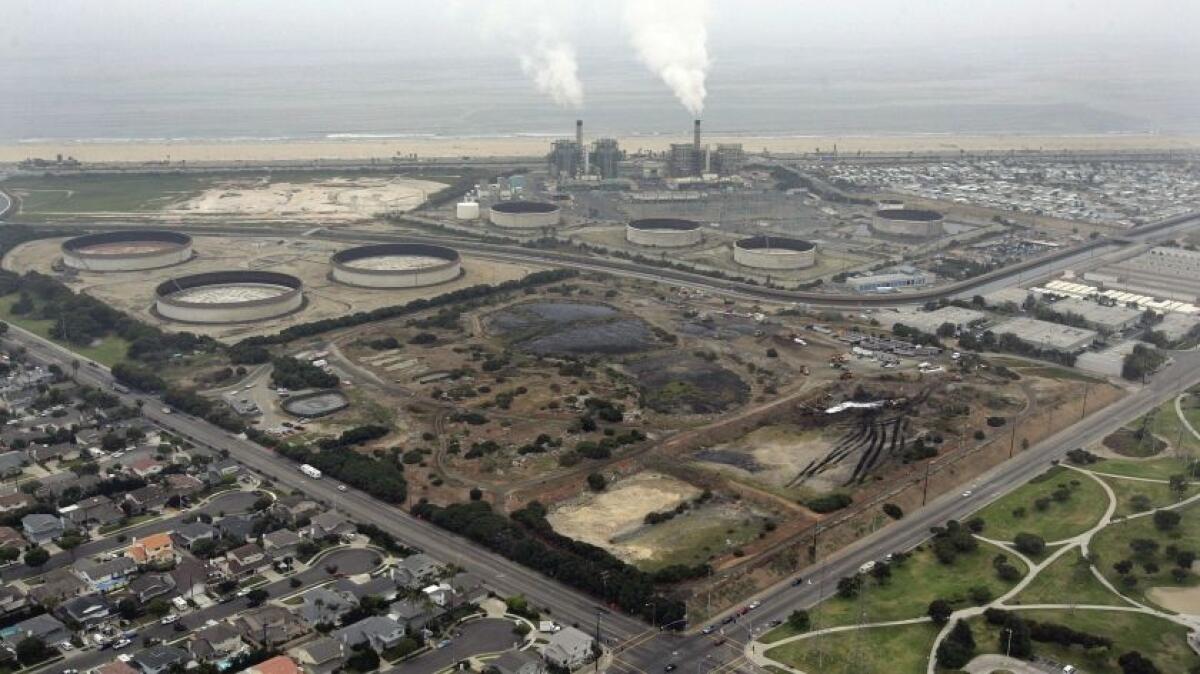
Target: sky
{"x":434,"y":28}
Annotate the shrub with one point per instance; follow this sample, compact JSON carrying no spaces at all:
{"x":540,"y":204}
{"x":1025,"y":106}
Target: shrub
{"x":828,"y":503}
{"x":597,"y":482}
{"x":1030,"y":544}
{"x":1166,"y":520}
{"x":893,"y":511}
{"x":939,"y":611}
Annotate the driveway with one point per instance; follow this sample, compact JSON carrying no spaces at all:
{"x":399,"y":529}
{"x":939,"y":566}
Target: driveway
{"x":479,"y":637}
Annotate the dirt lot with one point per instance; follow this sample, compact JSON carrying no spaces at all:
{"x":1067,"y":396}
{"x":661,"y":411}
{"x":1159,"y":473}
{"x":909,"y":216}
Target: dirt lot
{"x":772,"y":455}
{"x":1179,"y":599}
{"x":345,"y":199}
{"x":308,"y":259}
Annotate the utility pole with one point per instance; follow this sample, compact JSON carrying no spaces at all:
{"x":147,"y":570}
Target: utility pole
{"x":925,"y":488}
{"x":1086,"y":387}
{"x":1012,"y":443}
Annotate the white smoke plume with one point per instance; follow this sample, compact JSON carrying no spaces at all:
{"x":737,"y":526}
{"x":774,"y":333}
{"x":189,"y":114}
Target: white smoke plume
{"x":671,"y":38}
{"x":537,"y":30}
{"x":550,"y":63}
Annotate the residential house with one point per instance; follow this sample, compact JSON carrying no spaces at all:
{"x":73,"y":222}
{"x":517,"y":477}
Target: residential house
{"x":89,"y":437}
{"x":41,"y":528}
{"x":468,"y":588}
{"x":107,"y":575}
{"x":12,"y":598}
{"x":329,"y":524}
{"x":159,"y":659}
{"x":295,"y":509}
{"x":569,"y":648}
{"x":416,"y":571}
{"x":219,"y":471}
{"x":190,"y":576}
{"x":413,"y":614}
{"x":378,"y":632}
{"x":381,"y":587}
{"x":87,"y":610}
{"x":10,"y":537}
{"x":57,"y":585}
{"x":12,"y":464}
{"x":95,"y":510}
{"x":326,"y":605}
{"x":245,"y":561}
{"x":151,"y":498}
{"x":516,"y":662}
{"x":189,"y":534}
{"x":270,"y":626}
{"x":216,"y":642}
{"x":153,"y":549}
{"x":115,"y":667}
{"x":439,"y":594}
{"x":45,"y":627}
{"x":321,"y":656}
{"x":15,"y":501}
{"x":146,"y":467}
{"x":280,"y":664}
{"x":236,"y":527}
{"x":47,"y":453}
{"x":182,"y":485}
{"x":281,"y":543}
{"x":150,"y":586}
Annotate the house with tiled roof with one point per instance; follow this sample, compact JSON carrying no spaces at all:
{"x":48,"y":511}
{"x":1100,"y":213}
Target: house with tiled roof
{"x":153,"y":549}
{"x":280,"y":664}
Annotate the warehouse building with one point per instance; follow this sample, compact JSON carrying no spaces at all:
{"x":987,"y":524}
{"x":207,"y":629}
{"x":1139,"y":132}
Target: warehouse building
{"x":891,"y":281}
{"x":1177,"y":326}
{"x":929,"y":321}
{"x":1114,"y":318}
{"x":1046,"y":335}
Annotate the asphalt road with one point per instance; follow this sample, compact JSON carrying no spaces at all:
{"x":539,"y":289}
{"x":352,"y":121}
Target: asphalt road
{"x":480,"y":637}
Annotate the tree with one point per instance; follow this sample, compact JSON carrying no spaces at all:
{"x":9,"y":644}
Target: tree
{"x":128,"y":608}
{"x":1144,"y":547}
{"x":1123,"y":567}
{"x":893,"y":511}
{"x":262,"y":503}
{"x":1178,"y":485}
{"x":1030,"y":544}
{"x":882,"y":571}
{"x":35,"y":557}
{"x":848,"y":586}
{"x":257,"y":596}
{"x":1134,"y":662}
{"x":939,"y":611}
{"x":1166,"y":520}
{"x":31,"y":650}
{"x":363,"y":660}
{"x":1015,"y":638}
{"x":799,"y":620}
{"x":957,"y":649}
{"x":597,"y":482}
{"x":476,"y":493}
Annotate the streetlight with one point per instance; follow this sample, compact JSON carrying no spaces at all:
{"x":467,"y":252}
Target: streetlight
{"x":1008,"y":646}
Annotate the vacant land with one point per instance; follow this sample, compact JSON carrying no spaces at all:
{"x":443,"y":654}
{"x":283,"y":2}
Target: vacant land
{"x":1058,"y":504}
{"x":48,"y":196}
{"x":599,"y":518}
{"x":1162,"y":641}
{"x":772,"y":455}
{"x":902,"y":649}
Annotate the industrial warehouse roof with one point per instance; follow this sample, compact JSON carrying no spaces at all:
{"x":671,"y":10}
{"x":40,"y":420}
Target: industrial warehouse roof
{"x":930,"y":321}
{"x":1047,"y":335}
{"x":1098,"y":315}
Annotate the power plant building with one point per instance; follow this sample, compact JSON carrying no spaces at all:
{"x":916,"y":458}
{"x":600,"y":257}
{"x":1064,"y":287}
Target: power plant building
{"x":605,"y":158}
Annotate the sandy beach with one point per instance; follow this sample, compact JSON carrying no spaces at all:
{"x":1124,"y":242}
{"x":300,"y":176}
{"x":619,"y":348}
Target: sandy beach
{"x":364,"y":149}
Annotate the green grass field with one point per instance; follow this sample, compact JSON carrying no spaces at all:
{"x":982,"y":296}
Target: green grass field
{"x":1164,"y":642}
{"x":1157,"y":469}
{"x":903,"y":649}
{"x":1067,"y":581}
{"x":1112,"y":545}
{"x":914,"y":583}
{"x":108,"y":351}
{"x":1159,"y":495}
{"x":1059,"y":520}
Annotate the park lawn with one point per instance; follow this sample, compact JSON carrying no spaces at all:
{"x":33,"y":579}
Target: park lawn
{"x":1162,"y":641}
{"x":1159,"y":493}
{"x":108,"y":351}
{"x":899,"y":649}
{"x":1060,"y":520}
{"x":914,"y":583}
{"x":1155,"y":469}
{"x":1067,"y":581}
{"x":1111,"y":545}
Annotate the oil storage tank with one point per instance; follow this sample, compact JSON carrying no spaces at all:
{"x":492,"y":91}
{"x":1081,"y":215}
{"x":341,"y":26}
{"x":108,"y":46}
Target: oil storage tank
{"x":237,"y":296}
{"x":911,"y":223}
{"x":396,"y":265}
{"x":524,"y":214}
{"x":774,"y":252}
{"x":663,"y":232}
{"x":127,"y":250}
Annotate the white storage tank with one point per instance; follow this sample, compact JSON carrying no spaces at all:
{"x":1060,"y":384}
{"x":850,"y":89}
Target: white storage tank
{"x":467,"y":210}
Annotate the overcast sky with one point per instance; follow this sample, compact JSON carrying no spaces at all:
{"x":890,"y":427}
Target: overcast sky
{"x":438,"y":28}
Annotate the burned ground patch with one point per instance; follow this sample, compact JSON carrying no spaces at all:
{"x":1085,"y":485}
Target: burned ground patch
{"x":683,"y":384}
{"x":550,"y":328}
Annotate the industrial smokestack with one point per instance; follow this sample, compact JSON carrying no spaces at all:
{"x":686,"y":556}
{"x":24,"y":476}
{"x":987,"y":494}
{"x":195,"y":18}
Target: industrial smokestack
{"x":579,"y":132}
{"x":696,"y":147}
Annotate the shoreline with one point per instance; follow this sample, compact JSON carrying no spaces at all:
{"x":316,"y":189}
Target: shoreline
{"x":341,"y":149}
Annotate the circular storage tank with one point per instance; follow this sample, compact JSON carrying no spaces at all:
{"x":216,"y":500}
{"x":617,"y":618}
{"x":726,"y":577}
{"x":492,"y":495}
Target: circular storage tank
{"x":316,"y":403}
{"x":907,"y":222}
{"x":663,"y":232}
{"x":524,"y":214}
{"x":228,"y":297}
{"x":396,"y":265}
{"x":775,"y":252}
{"x":890,"y":204}
{"x":133,"y":250}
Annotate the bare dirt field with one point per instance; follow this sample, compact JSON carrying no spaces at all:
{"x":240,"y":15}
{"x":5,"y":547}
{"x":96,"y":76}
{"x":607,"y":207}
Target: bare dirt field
{"x":1178,"y":599}
{"x":308,"y":259}
{"x":771,"y":455}
{"x":599,"y":518}
{"x":333,"y":198}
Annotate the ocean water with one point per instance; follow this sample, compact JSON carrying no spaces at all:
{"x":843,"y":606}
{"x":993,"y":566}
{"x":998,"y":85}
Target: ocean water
{"x":773,"y":90}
